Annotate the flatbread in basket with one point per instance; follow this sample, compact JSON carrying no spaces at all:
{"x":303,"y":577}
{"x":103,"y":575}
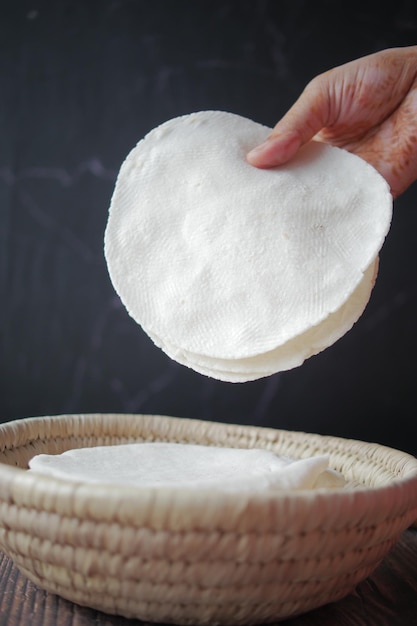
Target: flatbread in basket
{"x":187,"y":557}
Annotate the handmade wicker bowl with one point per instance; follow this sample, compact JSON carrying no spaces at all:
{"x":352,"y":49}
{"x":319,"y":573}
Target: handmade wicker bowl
{"x":170,"y":556}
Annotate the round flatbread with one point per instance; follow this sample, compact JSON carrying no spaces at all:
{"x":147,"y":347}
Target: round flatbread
{"x":222,"y":263}
{"x":187,"y":466}
{"x":292,"y":354}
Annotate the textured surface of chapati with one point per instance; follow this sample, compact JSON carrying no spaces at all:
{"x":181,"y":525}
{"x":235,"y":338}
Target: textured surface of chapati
{"x":289,"y":355}
{"x":225,"y":265}
{"x":188,"y":466}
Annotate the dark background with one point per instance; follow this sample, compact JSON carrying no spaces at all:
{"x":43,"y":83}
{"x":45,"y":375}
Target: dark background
{"x":80,"y":84}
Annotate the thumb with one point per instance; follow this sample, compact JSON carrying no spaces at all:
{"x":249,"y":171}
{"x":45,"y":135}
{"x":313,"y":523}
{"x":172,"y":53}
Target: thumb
{"x":308,"y":115}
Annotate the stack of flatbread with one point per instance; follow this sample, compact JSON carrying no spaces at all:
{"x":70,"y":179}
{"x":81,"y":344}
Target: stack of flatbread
{"x":235,"y":271}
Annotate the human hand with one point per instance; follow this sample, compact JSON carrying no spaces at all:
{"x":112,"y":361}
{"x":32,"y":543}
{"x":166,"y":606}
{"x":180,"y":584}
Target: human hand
{"x":367,"y":106}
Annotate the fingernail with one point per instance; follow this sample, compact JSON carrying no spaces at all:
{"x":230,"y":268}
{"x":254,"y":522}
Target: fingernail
{"x":275,"y":150}
{"x":258,"y":149}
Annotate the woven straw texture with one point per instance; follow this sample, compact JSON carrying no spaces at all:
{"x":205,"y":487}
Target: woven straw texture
{"x":212,"y":558}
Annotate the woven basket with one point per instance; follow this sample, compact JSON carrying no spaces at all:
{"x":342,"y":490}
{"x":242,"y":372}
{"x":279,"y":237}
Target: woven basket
{"x":173,"y":556}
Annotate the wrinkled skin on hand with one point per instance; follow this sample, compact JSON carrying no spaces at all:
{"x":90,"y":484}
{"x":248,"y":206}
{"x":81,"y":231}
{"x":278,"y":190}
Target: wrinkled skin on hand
{"x":367,"y":106}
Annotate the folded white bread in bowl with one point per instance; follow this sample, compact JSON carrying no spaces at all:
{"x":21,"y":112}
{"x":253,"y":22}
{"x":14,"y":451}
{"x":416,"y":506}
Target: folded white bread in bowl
{"x":186,"y":466}
{"x":190,"y":555}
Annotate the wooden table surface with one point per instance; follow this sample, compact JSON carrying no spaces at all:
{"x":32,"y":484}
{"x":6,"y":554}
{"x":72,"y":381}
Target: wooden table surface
{"x":387,"y":598}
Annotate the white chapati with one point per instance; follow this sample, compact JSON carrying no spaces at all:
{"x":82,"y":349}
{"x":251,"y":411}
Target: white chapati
{"x":185,"y":466}
{"x":222,"y":263}
{"x":293,"y":353}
